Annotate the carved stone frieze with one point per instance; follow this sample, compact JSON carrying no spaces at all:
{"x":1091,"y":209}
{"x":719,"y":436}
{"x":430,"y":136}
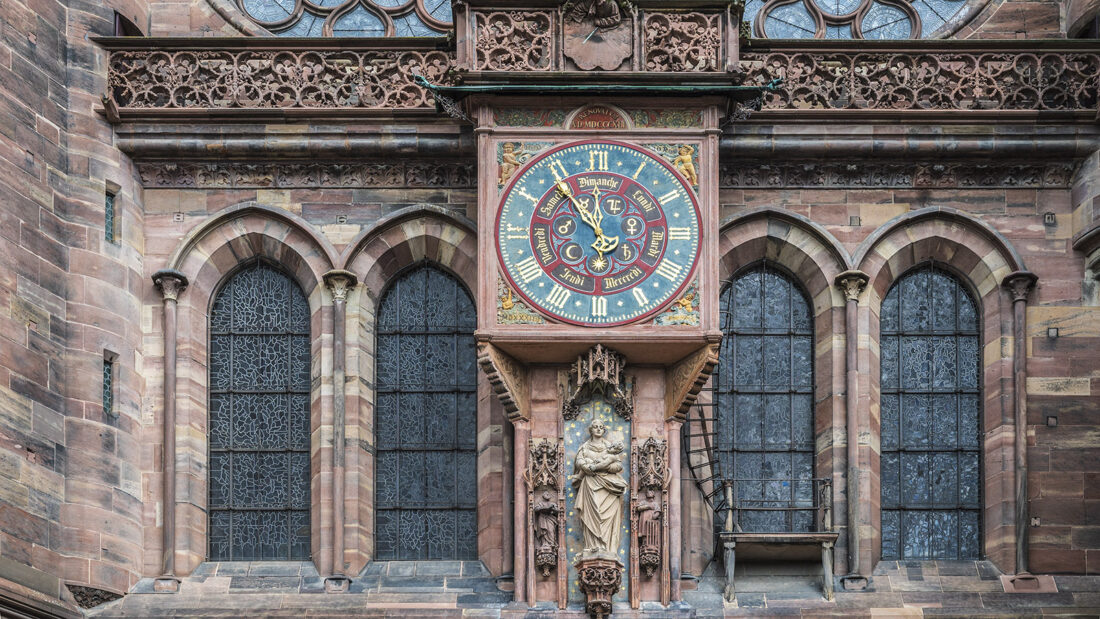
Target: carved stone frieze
{"x":310,"y":79}
{"x":508,"y":378}
{"x":234,"y":175}
{"x":925,"y":80}
{"x":686,"y":379}
{"x":598,"y":372}
{"x":599,"y":579}
{"x":90,"y":597}
{"x":872,"y":174}
{"x":546,"y":502}
{"x":682,"y":41}
{"x":514,"y":41}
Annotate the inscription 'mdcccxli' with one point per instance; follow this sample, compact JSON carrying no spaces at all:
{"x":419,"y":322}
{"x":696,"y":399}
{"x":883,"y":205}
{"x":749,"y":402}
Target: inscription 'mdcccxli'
{"x":598,"y":117}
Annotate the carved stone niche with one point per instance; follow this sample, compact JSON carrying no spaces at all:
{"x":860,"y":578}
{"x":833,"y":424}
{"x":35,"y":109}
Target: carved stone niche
{"x":598,"y":372}
{"x":599,"y":579}
{"x":649,"y":502}
{"x":546,"y":503}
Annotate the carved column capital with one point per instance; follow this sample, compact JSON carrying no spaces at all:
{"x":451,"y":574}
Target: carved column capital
{"x":852,"y":284}
{"x":339,"y":282}
{"x":170,"y":282}
{"x":1019,"y":284}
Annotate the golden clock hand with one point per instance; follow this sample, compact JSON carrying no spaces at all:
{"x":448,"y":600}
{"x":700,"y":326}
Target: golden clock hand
{"x":585,"y":215}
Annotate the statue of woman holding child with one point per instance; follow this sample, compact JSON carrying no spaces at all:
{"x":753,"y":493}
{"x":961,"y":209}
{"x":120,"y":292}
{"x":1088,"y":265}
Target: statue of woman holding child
{"x":597,"y":477}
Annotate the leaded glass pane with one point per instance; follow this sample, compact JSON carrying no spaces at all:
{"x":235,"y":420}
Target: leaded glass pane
{"x":350,"y":18}
{"x":764,"y":397}
{"x":790,"y":21}
{"x":109,"y":217}
{"x":426,"y":419}
{"x":886,"y":22}
{"x":930,"y":466}
{"x":259,"y":418}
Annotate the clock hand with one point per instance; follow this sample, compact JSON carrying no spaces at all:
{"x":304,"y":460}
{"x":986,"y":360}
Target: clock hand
{"x":585,"y":215}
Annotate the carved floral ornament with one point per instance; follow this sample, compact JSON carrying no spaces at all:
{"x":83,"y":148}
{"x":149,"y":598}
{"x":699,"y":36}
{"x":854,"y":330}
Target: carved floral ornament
{"x":350,"y":18}
{"x":599,"y":372}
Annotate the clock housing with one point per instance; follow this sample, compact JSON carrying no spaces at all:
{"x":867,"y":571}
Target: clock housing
{"x":598,"y":233}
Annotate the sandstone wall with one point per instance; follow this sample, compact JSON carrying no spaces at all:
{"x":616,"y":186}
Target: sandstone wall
{"x":70,"y":485}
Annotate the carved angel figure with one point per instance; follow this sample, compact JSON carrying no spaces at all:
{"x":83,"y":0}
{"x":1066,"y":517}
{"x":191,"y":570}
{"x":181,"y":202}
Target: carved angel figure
{"x":686,"y":165}
{"x":600,"y":488}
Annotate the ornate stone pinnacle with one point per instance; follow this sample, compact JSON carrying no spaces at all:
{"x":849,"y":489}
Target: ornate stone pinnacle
{"x":340,"y":282}
{"x":852,"y":283}
{"x":170,"y":282}
{"x":1020,"y":283}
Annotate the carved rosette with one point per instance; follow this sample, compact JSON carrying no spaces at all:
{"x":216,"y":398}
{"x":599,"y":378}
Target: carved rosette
{"x":599,"y":579}
{"x":546,"y":502}
{"x":599,"y":372}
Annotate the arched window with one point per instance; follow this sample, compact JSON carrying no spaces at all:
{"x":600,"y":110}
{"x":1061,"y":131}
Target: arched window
{"x":426,"y":419}
{"x":351,"y":18}
{"x":853,"y":19}
{"x":765,"y":426}
{"x":259,"y":418}
{"x":930,"y":412}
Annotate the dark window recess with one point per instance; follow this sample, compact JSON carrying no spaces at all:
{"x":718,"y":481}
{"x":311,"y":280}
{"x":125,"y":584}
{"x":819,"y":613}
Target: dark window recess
{"x":764,"y":391}
{"x":426,"y":419}
{"x":126,"y":28}
{"x":259,"y":418}
{"x":109,"y":217}
{"x":930,"y":351}
{"x":108,"y":386}
{"x":1089,"y":30}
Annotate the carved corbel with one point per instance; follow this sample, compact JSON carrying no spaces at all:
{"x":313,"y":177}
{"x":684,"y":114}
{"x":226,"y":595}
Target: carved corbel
{"x":599,"y":372}
{"x":599,"y":579}
{"x":686,"y":379}
{"x":546,"y":503}
{"x":508,"y":378}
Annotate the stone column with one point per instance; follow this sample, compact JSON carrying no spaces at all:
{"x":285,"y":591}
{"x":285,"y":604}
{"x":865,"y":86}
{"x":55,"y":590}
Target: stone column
{"x":675,"y":517}
{"x":339,"y":283}
{"x":1019,"y":285}
{"x":520,"y":530}
{"x":170,"y":283}
{"x":852,"y":284}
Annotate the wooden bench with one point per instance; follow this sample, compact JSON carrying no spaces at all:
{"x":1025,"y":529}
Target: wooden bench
{"x":779,"y":543}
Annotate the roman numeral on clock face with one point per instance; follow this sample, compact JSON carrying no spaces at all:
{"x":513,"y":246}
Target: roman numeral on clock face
{"x":639,"y":296}
{"x":597,"y":160}
{"x":669,"y":270}
{"x":529,"y":269}
{"x":557,"y":169}
{"x":679,"y":234}
{"x":558,"y":296}
{"x":599,"y":306}
{"x":669,"y":197}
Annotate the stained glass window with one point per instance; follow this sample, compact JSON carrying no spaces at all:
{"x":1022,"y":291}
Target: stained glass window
{"x":930,"y":413}
{"x":259,"y":418}
{"x":765,"y":428}
{"x":426,"y":419}
{"x":851,"y":19}
{"x":351,"y":18}
{"x":108,"y":386}
{"x":109,"y":217}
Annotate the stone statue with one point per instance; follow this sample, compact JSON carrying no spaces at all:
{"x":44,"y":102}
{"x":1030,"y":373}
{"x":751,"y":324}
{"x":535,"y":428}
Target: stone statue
{"x":600,"y":486}
{"x":546,"y":521}
{"x":648,"y":508}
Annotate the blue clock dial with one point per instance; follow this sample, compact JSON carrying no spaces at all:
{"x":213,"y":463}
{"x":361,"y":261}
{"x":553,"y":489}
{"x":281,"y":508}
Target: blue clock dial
{"x":598,"y":233}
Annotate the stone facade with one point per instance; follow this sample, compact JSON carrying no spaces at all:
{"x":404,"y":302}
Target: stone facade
{"x":878,"y":168}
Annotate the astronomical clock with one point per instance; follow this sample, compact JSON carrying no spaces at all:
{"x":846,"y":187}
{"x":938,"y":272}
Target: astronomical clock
{"x":597,"y":225}
{"x":598,"y":233}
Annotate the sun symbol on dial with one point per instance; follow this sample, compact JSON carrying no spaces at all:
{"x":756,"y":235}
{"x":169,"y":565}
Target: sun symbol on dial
{"x":599,"y":263}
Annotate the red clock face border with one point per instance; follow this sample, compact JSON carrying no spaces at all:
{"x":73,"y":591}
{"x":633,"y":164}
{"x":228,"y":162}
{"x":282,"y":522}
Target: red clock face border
{"x":581,"y":237}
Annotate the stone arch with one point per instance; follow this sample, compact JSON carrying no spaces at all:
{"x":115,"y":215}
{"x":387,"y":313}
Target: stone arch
{"x":981,"y":258}
{"x":207,"y":256}
{"x":378,"y":254}
{"x":812,"y":258}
